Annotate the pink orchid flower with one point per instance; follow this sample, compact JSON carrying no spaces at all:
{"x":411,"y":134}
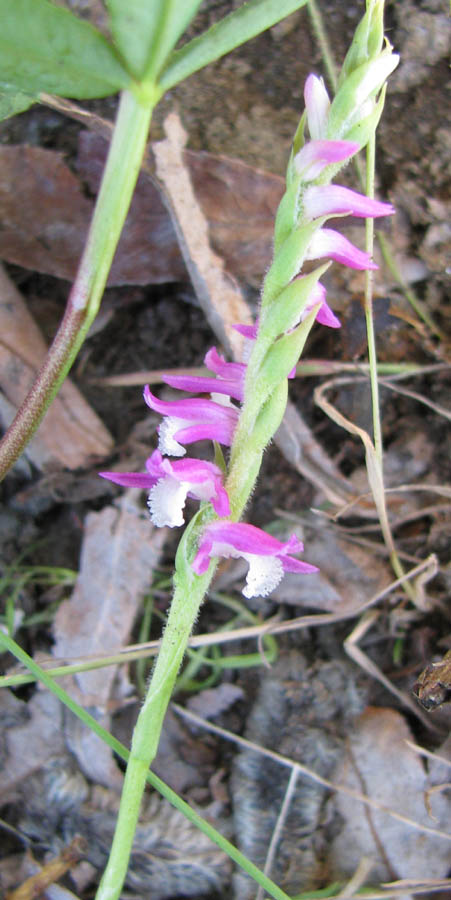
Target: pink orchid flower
{"x":170,"y":483}
{"x":186,"y":421}
{"x":268,"y":558}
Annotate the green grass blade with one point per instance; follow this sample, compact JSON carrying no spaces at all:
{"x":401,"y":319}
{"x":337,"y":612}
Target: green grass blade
{"x":235,"y":29}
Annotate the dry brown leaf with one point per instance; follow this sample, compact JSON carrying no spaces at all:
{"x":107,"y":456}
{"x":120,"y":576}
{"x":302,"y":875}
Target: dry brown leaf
{"x":238,"y":201}
{"x":148,"y":250}
{"x":214,"y":701}
{"x":71,"y":432}
{"x":240,"y":204}
{"x":32,"y":734}
{"x":43,"y":212}
{"x":45,"y":215}
{"x":45,"y":219}
{"x":120,"y":551}
{"x":380,"y":764}
{"x":349,"y":574}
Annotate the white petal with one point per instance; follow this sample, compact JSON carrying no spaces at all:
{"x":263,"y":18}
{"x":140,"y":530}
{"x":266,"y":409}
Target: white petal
{"x":167,"y":501}
{"x":167,"y":444}
{"x":317,"y":105}
{"x":223,"y":400}
{"x":265,"y":573}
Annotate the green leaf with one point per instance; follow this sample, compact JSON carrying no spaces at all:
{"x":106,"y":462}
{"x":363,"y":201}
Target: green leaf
{"x":291,"y":302}
{"x":145,"y":31}
{"x":284,"y":353}
{"x":235,"y":29}
{"x":288,"y":261}
{"x":287,"y":213}
{"x":46,"y":48}
{"x":270,"y":415}
{"x":13,"y":101}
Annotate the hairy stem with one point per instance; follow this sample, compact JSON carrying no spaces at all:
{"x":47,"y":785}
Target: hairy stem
{"x":182,"y":616}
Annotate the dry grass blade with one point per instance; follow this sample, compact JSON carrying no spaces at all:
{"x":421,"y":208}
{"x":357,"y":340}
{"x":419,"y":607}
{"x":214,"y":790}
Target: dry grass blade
{"x":281,"y":818}
{"x":271,"y":626}
{"x":405,"y":392}
{"x":362,"y":660}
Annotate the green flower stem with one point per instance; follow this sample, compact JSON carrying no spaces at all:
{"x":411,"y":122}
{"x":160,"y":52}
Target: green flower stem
{"x":189,"y":592}
{"x":118,"y":183}
{"x":372,"y":358}
{"x":320,"y":33}
{"x":368,"y":301}
{"x":182,"y":616}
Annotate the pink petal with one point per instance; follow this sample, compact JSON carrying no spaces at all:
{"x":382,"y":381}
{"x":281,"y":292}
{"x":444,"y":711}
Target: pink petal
{"x":230,"y":378}
{"x":221,"y":433}
{"x":130,"y":479}
{"x":191,"y":409}
{"x":203,"y":385}
{"x":247,"y":538}
{"x":325,"y":316}
{"x":328,"y":242}
{"x":316,"y":155}
{"x":333,"y":199}
{"x":248,"y":331}
{"x":239,"y":539}
{"x":220,"y":499}
{"x":214,"y":361}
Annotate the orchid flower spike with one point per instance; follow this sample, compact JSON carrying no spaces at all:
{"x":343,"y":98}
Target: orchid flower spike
{"x":186,"y":421}
{"x":268,"y":558}
{"x":170,"y":483}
